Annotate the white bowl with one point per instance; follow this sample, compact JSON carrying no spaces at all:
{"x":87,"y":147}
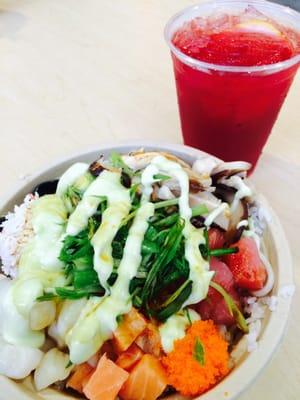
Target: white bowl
{"x":248,"y":365}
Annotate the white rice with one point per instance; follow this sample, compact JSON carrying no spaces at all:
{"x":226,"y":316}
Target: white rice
{"x":16,"y":231}
{"x":257,"y":308}
{"x":252,"y":336}
{"x":260,"y":217}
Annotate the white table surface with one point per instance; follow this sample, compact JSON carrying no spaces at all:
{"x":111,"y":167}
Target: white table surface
{"x":75,"y":74}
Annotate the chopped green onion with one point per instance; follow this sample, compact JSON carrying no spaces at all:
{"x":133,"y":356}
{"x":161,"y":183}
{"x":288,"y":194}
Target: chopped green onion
{"x":72,"y":293}
{"x":167,"y":221}
{"x":170,"y":247}
{"x":69,"y":364}
{"x":175,"y":294}
{"x":120,"y":318}
{"x":46,"y":297}
{"x":176,"y":305}
{"x":222,"y":252}
{"x":117,"y":161}
{"x":149,"y":247}
{"x":200,"y":209}
{"x":188,"y":316}
{"x":85,"y":278}
{"x":166,"y":203}
{"x":161,"y":177}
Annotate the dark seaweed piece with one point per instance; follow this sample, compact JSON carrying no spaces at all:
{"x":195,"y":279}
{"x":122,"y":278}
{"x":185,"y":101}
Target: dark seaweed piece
{"x":96,"y":168}
{"x":112,"y":278}
{"x":125,"y":180}
{"x":224,"y":192}
{"x":47,"y":187}
{"x":198,"y":221}
{"x":2,"y":219}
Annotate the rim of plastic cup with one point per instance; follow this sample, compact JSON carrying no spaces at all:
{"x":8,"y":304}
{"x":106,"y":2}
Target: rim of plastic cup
{"x":192,"y":62}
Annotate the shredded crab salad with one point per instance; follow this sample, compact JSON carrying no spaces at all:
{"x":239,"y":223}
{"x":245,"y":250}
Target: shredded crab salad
{"x":122,"y":271}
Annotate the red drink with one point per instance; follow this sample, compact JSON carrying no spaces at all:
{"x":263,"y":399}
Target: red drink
{"x":233,"y":72}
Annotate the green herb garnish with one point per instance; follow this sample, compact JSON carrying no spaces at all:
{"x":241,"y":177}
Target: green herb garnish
{"x":198,"y":352}
{"x":207,"y":252}
{"x":117,"y":162}
{"x":77,"y":248}
{"x":69,"y":364}
{"x":222,"y":252}
{"x":188,"y":316}
{"x":47,"y":297}
{"x":161,"y":177}
{"x":166,"y":203}
{"x":200,"y":209}
{"x":120,"y":319}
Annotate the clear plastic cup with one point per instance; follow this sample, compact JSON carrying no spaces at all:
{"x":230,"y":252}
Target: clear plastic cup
{"x":229,"y":111}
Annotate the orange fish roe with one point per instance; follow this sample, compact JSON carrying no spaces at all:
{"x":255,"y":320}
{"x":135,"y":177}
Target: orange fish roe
{"x":189,"y":376}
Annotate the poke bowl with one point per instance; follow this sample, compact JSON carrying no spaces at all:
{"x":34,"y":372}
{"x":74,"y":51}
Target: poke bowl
{"x":251,"y":320}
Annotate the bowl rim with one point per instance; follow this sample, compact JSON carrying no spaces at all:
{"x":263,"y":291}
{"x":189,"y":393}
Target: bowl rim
{"x":242,"y":376}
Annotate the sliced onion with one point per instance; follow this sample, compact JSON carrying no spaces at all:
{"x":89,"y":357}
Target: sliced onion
{"x":42,"y":315}
{"x":17,"y":362}
{"x":51,"y":369}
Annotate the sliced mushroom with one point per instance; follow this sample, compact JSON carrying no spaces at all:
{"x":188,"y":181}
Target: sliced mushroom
{"x":211,"y":202}
{"x":205,"y":165}
{"x":227,"y":169}
{"x":139,"y":160}
{"x":96,"y":168}
{"x":239,"y":214}
{"x":142,"y":159}
{"x":224,"y":192}
{"x":154,"y":194}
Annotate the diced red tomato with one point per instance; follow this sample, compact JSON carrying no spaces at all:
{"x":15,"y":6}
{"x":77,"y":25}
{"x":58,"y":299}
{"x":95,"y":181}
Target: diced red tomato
{"x":132,"y":325}
{"x":214,"y":306}
{"x":246,"y":266}
{"x":147,"y":380}
{"x":130,"y":357}
{"x":216,"y":238}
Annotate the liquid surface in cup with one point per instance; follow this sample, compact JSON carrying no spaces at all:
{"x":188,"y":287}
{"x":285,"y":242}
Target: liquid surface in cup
{"x":249,"y":39}
{"x":231,"y":114}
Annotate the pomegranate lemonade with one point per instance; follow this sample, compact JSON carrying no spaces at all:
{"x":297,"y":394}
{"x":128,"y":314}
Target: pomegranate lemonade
{"x":231,"y":93}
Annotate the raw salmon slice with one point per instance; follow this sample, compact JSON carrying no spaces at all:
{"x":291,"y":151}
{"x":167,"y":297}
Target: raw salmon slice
{"x":130,"y":357}
{"x":147,"y":380}
{"x":106,"y":381}
{"x":128,"y":330}
{"x":81,"y":375}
